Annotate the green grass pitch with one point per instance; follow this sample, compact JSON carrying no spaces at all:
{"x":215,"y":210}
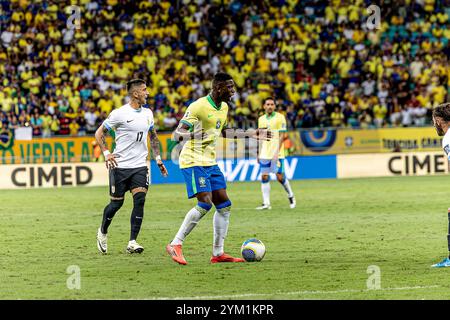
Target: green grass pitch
{"x":320,"y":250}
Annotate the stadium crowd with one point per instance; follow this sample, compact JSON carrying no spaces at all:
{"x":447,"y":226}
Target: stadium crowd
{"x":320,"y":59}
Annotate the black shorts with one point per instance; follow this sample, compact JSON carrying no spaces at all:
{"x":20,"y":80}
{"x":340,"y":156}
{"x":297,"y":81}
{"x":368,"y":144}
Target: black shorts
{"x":123,"y":180}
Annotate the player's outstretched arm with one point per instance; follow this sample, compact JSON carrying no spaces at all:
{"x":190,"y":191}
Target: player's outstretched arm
{"x":154,"y":144}
{"x":100,"y":136}
{"x":259,"y":134}
{"x":184,"y":133}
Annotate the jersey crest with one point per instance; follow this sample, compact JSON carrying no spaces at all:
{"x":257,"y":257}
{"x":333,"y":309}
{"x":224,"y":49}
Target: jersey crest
{"x":202,"y":182}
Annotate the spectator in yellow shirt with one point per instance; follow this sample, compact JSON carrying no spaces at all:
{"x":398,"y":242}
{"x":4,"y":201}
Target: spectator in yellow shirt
{"x":379,"y":113}
{"x":337,"y":117}
{"x":74,"y":127}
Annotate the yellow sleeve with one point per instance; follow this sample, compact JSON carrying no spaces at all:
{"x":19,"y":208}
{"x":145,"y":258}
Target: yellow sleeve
{"x":191,"y":117}
{"x":261,"y":124}
{"x":282,"y":124}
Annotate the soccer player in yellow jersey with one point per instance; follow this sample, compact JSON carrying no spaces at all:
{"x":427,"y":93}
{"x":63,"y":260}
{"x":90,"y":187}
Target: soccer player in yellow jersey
{"x":271,"y":154}
{"x":204,"y":122}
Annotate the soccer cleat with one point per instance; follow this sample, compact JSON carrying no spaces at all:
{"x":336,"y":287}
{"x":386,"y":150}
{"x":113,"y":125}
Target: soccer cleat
{"x":176,"y":253}
{"x":134,"y":247}
{"x":264,"y":207}
{"x":102,"y":241}
{"x":292,"y":202}
{"x":444,"y":263}
{"x":225,"y":258}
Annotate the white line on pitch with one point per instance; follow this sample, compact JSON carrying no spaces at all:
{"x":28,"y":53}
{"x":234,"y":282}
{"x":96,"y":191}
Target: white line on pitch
{"x":290,"y":293}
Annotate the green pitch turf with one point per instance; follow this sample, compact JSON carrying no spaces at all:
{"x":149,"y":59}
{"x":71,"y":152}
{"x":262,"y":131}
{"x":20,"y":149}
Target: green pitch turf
{"x":320,"y":250}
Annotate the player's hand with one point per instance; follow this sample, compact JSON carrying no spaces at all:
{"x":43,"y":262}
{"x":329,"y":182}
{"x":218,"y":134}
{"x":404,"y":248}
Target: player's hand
{"x":162,"y":168}
{"x":110,"y":161}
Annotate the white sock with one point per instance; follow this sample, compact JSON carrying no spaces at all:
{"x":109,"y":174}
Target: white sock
{"x":190,"y":221}
{"x":287,"y":187}
{"x":220,"y":224}
{"x":265,"y":188}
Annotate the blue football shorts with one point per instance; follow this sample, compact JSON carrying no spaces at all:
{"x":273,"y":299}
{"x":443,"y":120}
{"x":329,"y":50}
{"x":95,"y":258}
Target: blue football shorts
{"x":203,"y":179}
{"x":271,"y":166}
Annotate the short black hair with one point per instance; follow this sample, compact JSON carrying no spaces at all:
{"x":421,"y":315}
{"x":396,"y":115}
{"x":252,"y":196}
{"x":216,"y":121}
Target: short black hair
{"x":442,"y":111}
{"x":269,"y":98}
{"x":134,"y":82}
{"x":221,"y":77}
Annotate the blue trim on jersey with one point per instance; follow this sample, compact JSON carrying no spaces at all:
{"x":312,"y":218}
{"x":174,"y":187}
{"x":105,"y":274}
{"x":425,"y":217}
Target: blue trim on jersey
{"x":190,"y":125}
{"x":150,"y":129}
{"x":105,"y":124}
{"x":203,"y":179}
{"x":224,"y":204}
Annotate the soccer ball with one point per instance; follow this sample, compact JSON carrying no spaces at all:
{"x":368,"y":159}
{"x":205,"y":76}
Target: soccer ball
{"x":253,"y":250}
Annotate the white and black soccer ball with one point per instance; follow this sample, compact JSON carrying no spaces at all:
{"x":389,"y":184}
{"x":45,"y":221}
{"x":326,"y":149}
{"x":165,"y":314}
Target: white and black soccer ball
{"x":253,"y":250}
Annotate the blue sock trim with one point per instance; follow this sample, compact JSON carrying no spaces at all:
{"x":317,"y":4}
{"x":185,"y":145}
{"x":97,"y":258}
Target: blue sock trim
{"x":224,"y":205}
{"x":204,"y":205}
{"x":283,"y":181}
{"x":265,"y":181}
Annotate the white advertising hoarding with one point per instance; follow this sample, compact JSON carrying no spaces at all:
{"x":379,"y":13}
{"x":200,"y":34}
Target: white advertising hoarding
{"x":391,"y":164}
{"x":53,"y":175}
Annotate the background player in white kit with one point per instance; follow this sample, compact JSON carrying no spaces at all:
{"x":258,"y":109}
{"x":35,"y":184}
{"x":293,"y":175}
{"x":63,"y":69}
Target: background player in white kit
{"x":127,"y":165}
{"x":441,"y":119}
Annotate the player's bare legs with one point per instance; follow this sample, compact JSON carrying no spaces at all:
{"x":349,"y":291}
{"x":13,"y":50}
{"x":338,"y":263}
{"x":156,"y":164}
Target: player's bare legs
{"x":137,"y":215}
{"x":287,"y":187}
{"x":220,"y":224}
{"x":192,"y":218}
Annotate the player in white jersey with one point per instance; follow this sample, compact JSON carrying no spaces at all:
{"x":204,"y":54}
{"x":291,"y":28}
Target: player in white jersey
{"x":441,"y":119}
{"x":127,"y":164}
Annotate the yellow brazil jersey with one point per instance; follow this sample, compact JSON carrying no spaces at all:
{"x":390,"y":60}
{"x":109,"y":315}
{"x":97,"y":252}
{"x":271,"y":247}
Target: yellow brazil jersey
{"x":276,"y":123}
{"x":204,"y":115}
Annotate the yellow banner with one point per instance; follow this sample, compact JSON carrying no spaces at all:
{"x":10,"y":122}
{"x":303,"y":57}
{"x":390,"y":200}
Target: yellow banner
{"x":302,"y":142}
{"x":50,"y":150}
{"x":53,"y":150}
{"x":344,"y":141}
